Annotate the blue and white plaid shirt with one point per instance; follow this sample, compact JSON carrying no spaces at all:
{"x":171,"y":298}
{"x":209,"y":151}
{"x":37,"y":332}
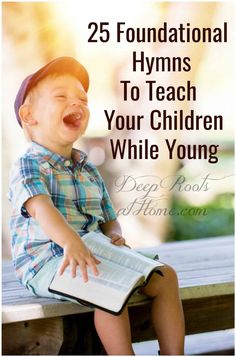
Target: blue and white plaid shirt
{"x":76,"y":189}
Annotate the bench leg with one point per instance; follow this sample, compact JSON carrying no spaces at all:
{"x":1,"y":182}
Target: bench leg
{"x":35,"y":337}
{"x":80,"y":337}
{"x":69,"y":335}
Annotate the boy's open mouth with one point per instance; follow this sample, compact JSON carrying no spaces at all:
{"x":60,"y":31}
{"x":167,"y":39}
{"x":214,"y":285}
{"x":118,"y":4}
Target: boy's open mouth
{"x":72,"y":120}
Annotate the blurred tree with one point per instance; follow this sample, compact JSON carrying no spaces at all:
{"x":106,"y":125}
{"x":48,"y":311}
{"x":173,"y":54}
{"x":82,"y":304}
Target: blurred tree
{"x":219,"y":220}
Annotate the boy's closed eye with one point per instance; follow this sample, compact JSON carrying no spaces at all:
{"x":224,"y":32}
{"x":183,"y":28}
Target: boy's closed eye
{"x":84,"y":100}
{"x":60,"y":96}
{"x":64,"y":96}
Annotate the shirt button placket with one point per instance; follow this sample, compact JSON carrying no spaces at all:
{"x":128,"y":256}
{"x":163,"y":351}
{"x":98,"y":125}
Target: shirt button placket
{"x":67,"y":163}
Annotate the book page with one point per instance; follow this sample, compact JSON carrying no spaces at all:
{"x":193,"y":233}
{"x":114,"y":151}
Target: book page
{"x":121,"y":270}
{"x":112,"y":275}
{"x":101,"y":246}
{"x":107,"y":295}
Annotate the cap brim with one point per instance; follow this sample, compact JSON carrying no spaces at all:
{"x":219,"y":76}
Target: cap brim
{"x":62,"y":65}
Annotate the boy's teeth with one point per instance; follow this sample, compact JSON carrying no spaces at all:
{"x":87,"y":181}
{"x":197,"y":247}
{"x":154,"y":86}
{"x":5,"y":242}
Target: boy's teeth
{"x":72,"y":118}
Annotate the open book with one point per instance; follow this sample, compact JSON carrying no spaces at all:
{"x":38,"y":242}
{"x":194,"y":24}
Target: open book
{"x":121,"y":272}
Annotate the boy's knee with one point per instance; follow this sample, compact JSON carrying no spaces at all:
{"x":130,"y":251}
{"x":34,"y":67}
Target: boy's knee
{"x":170,"y":277}
{"x":170,"y":274}
{"x":159,"y":283}
{"x":169,"y":281}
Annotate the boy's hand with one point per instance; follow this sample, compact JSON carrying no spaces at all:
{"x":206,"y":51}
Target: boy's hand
{"x":116,"y":239}
{"x":76,"y":253}
{"x":112,"y":230}
{"x":42,"y":209}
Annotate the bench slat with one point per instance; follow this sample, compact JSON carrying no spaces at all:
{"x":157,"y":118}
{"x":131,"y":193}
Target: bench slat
{"x":50,"y":308}
{"x":205,"y":268}
{"x":225,"y":263}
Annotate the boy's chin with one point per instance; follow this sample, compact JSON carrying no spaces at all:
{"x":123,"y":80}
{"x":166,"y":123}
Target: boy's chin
{"x":76,"y":129}
{"x":74,"y":136}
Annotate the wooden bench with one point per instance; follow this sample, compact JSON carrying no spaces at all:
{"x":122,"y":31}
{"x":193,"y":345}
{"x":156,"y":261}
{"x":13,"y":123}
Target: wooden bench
{"x":39,"y":326}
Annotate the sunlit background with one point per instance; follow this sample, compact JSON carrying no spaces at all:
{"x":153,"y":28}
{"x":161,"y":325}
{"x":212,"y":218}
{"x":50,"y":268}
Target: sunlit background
{"x":35,"y":33}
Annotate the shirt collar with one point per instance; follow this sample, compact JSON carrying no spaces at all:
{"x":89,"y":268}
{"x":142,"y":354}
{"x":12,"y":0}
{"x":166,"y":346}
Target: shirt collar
{"x":79,"y":158}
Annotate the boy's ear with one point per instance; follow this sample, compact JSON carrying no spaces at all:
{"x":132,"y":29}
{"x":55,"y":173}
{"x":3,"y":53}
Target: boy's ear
{"x":26,"y":115}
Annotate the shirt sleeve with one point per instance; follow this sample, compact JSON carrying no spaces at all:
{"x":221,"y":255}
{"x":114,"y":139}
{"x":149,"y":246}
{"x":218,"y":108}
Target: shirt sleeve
{"x":107,"y":206}
{"x":26,"y":181}
{"x":109,"y":213}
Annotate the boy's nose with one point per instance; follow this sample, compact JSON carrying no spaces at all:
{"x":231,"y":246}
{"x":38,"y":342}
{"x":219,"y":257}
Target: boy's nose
{"x":75,"y":102}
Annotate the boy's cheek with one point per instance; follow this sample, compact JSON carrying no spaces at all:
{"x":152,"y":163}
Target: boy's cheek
{"x":87,"y":113}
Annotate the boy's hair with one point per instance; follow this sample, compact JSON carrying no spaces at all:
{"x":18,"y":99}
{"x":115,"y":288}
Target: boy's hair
{"x":59,"y":65}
